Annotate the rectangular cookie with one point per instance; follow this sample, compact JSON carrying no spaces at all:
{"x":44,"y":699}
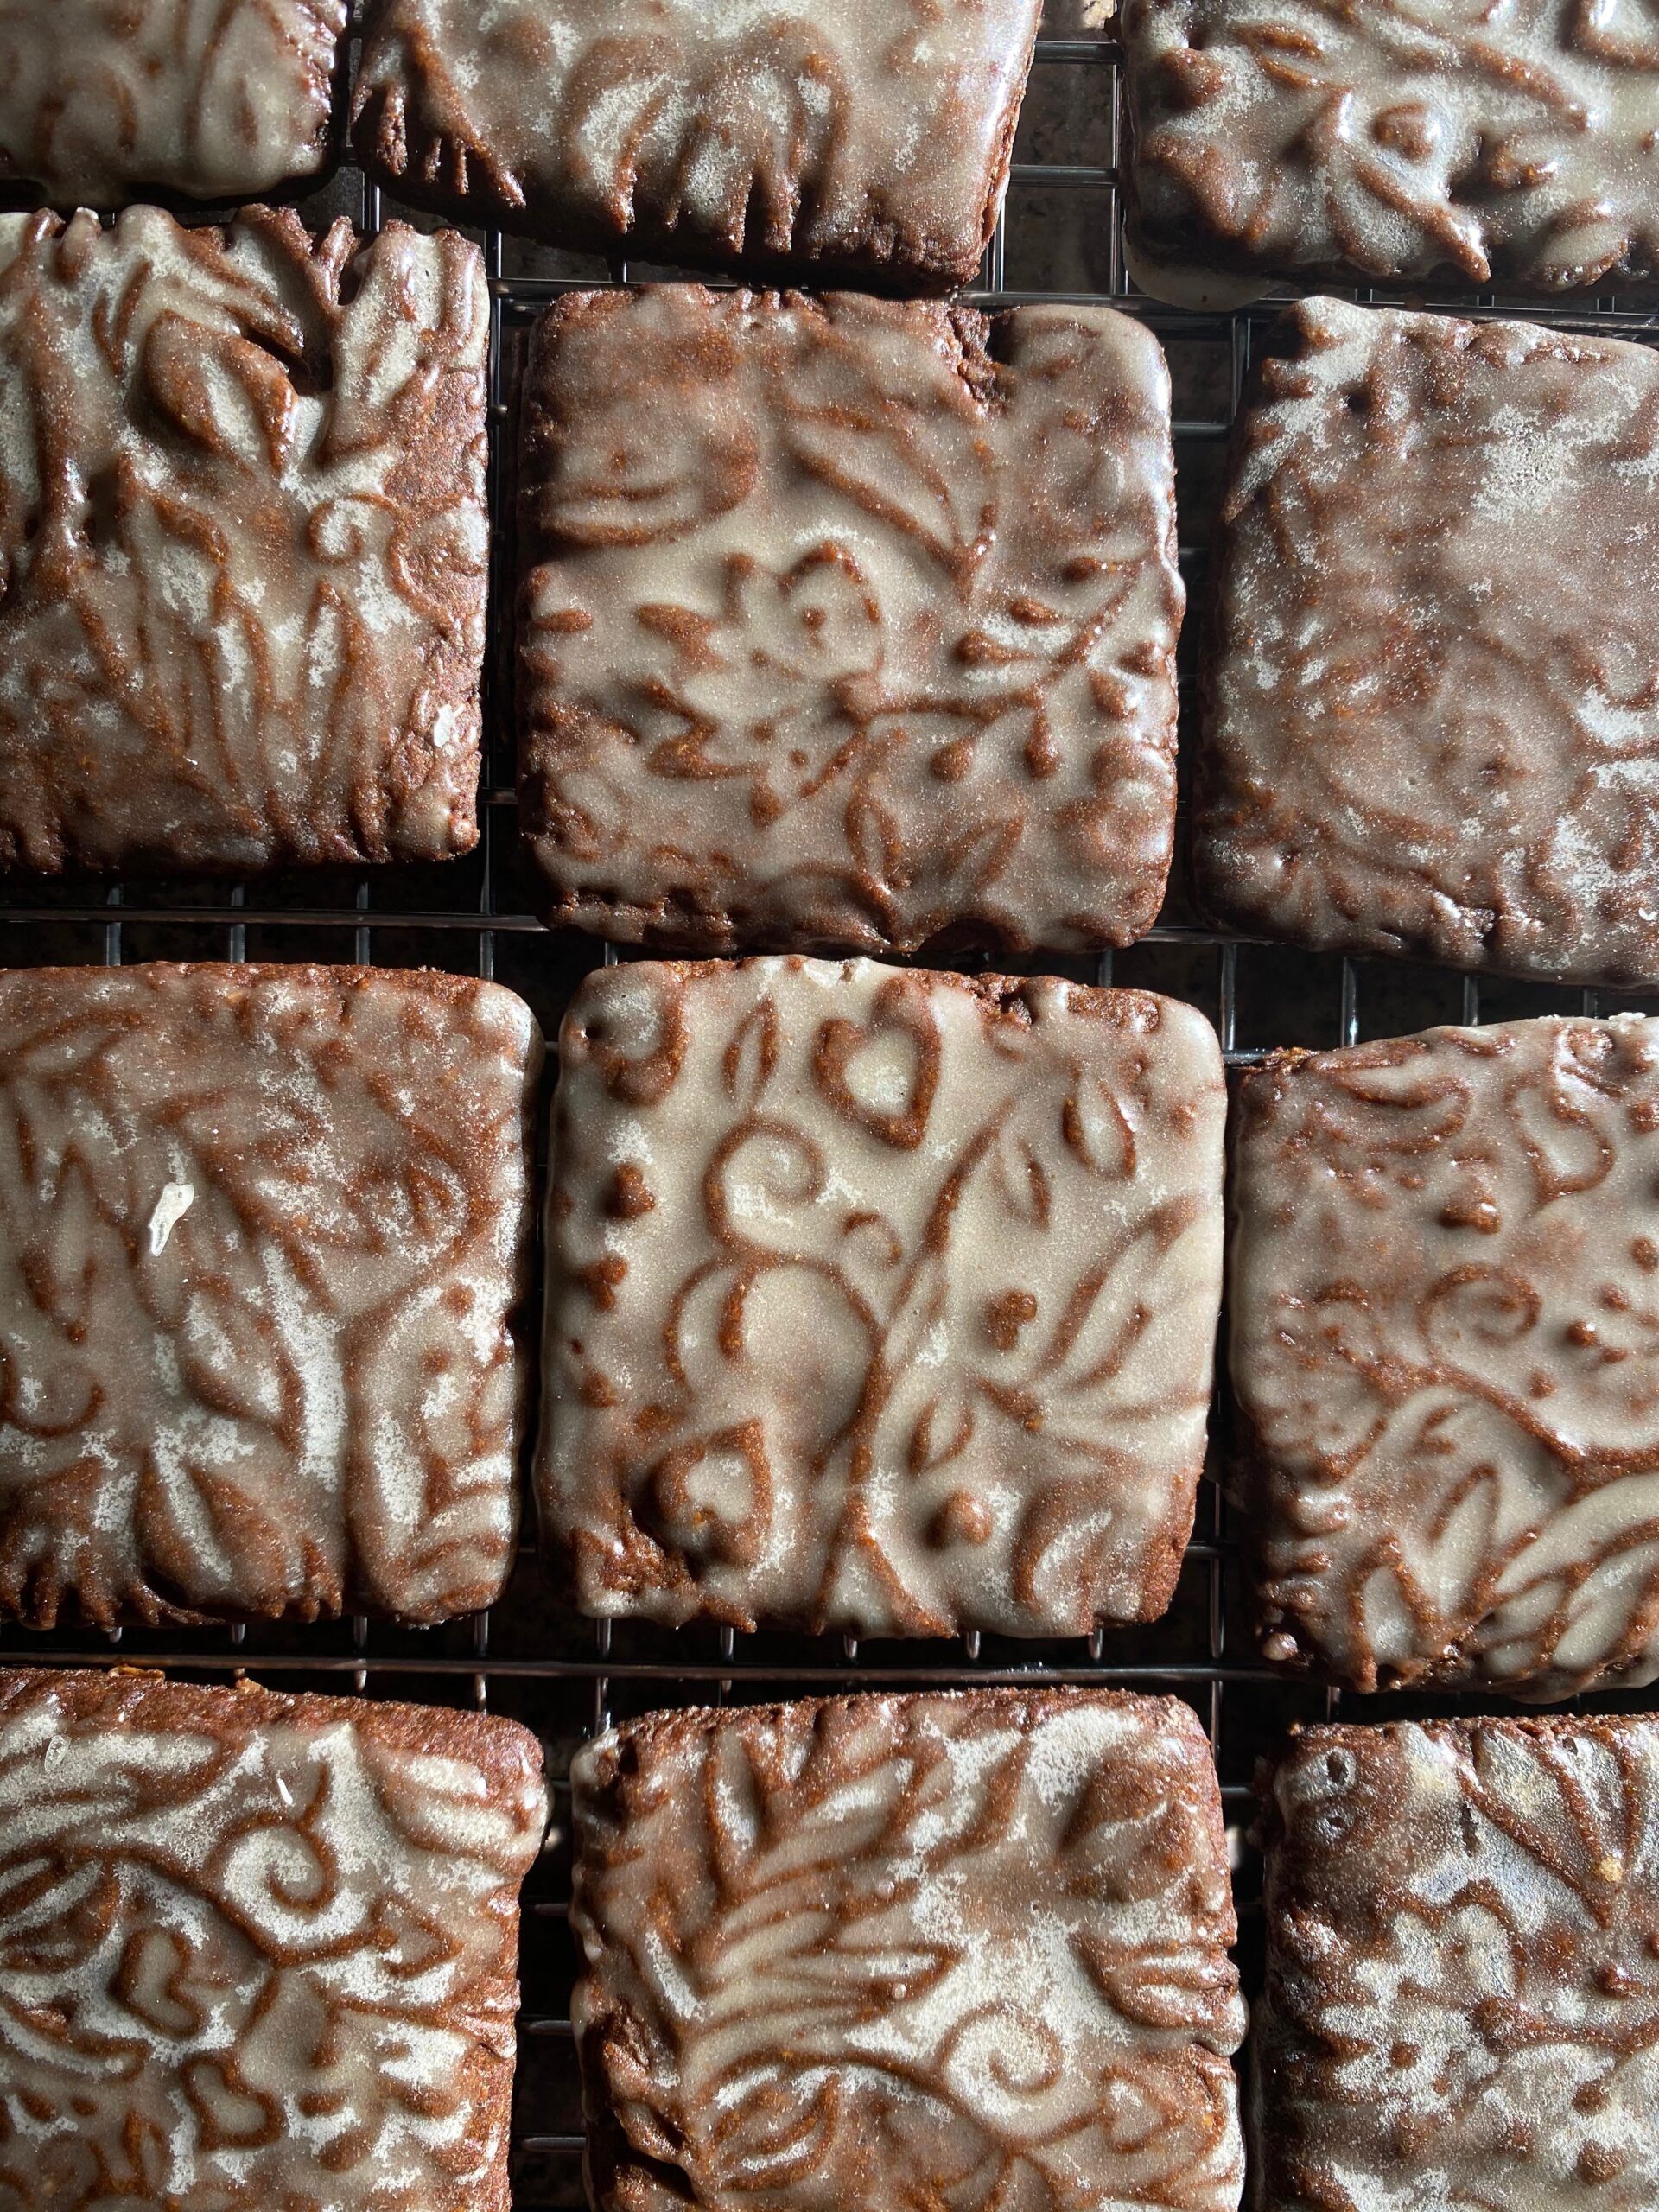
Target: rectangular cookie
{"x":869,"y":1952}
{"x":1433,"y":703}
{"x":215,"y":98}
{"x":847,"y":624}
{"x":256,"y":1950}
{"x":856,"y":139}
{"x":880,"y":1301}
{"x":1442,"y":1292}
{"x":1440,"y":143}
{"x":264,"y":1236}
{"x":1462,"y":1920}
{"x":243,"y":543}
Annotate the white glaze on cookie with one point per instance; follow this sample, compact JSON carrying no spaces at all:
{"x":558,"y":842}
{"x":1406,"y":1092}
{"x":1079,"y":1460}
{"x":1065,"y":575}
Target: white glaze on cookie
{"x":1515,"y":144}
{"x":256,"y":1951}
{"x":243,"y":543}
{"x":847,"y":624}
{"x":878,"y":1301}
{"x":961,"y":1950}
{"x":300,"y":1387}
{"x":1446,"y":1348}
{"x":1462,"y":2005}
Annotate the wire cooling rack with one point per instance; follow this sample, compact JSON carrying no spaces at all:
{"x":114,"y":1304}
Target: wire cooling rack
{"x":1058,"y":238}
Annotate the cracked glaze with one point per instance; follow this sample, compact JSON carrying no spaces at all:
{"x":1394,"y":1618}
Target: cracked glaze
{"x":241,"y":543}
{"x":1462,"y":2005}
{"x":1432,"y":725}
{"x":880,"y":1301}
{"x":264,"y":1233}
{"x":1515,"y":143}
{"x":966,"y":1951}
{"x":864,"y":138}
{"x":1445,"y":1311}
{"x":256,"y":1952}
{"x":838,"y":633}
{"x":217,"y":98}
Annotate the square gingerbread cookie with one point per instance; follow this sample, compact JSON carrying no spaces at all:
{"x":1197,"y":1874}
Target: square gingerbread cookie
{"x":266,"y":1234}
{"x":1432,"y":711}
{"x":847,"y":624}
{"x":1439,"y":144}
{"x":868,"y":140}
{"x":966,"y":1951}
{"x":1444,"y":1296}
{"x":242,"y":543}
{"x":255,"y":1949}
{"x":215,"y":99}
{"x":1462,"y":2000}
{"x":878,"y":1301}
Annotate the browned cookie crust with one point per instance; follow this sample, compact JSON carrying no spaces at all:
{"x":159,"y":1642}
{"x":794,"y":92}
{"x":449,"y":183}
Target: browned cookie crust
{"x":880,"y":1301}
{"x":1515,"y":145}
{"x":847,"y":624}
{"x":217,"y":98}
{"x":265,"y":1233}
{"x":864,"y":139}
{"x":241,"y":543}
{"x":1432,"y":726}
{"x":1462,"y":2005}
{"x":1442,"y":1292}
{"x":881,"y":1951}
{"x":256,"y":1950}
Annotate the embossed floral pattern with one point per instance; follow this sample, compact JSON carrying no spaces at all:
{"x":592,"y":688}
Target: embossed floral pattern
{"x":1463,"y":2000}
{"x":858,"y":136}
{"x":216,"y":97}
{"x":1414,"y":138}
{"x":882,"y":1301}
{"x":1433,"y":719}
{"x":964,"y":1951}
{"x":264,"y":1233}
{"x":241,"y":543}
{"x":868,"y":639}
{"x":256,"y":1951}
{"x":1446,"y":1336}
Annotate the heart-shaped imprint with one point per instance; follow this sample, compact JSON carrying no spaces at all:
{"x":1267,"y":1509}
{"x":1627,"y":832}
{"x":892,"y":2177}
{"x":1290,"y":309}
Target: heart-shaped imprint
{"x":883,"y":1072}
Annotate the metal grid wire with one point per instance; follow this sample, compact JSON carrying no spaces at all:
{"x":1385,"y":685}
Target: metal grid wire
{"x":1058,"y":239}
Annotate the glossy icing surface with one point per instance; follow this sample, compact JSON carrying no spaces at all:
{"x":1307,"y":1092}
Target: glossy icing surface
{"x":1516,"y":143}
{"x":217,"y":98}
{"x":1462,"y":2006}
{"x":1432,"y":713}
{"x":1444,"y":1338}
{"x":256,"y":1951}
{"x":953,"y":1950}
{"x":880,"y":1301}
{"x":243,"y":543}
{"x":846,"y":624}
{"x":264,"y":1236}
{"x":868,"y":137}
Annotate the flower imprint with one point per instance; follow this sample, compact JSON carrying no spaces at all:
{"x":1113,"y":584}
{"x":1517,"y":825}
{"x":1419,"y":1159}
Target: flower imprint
{"x":780,"y":687}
